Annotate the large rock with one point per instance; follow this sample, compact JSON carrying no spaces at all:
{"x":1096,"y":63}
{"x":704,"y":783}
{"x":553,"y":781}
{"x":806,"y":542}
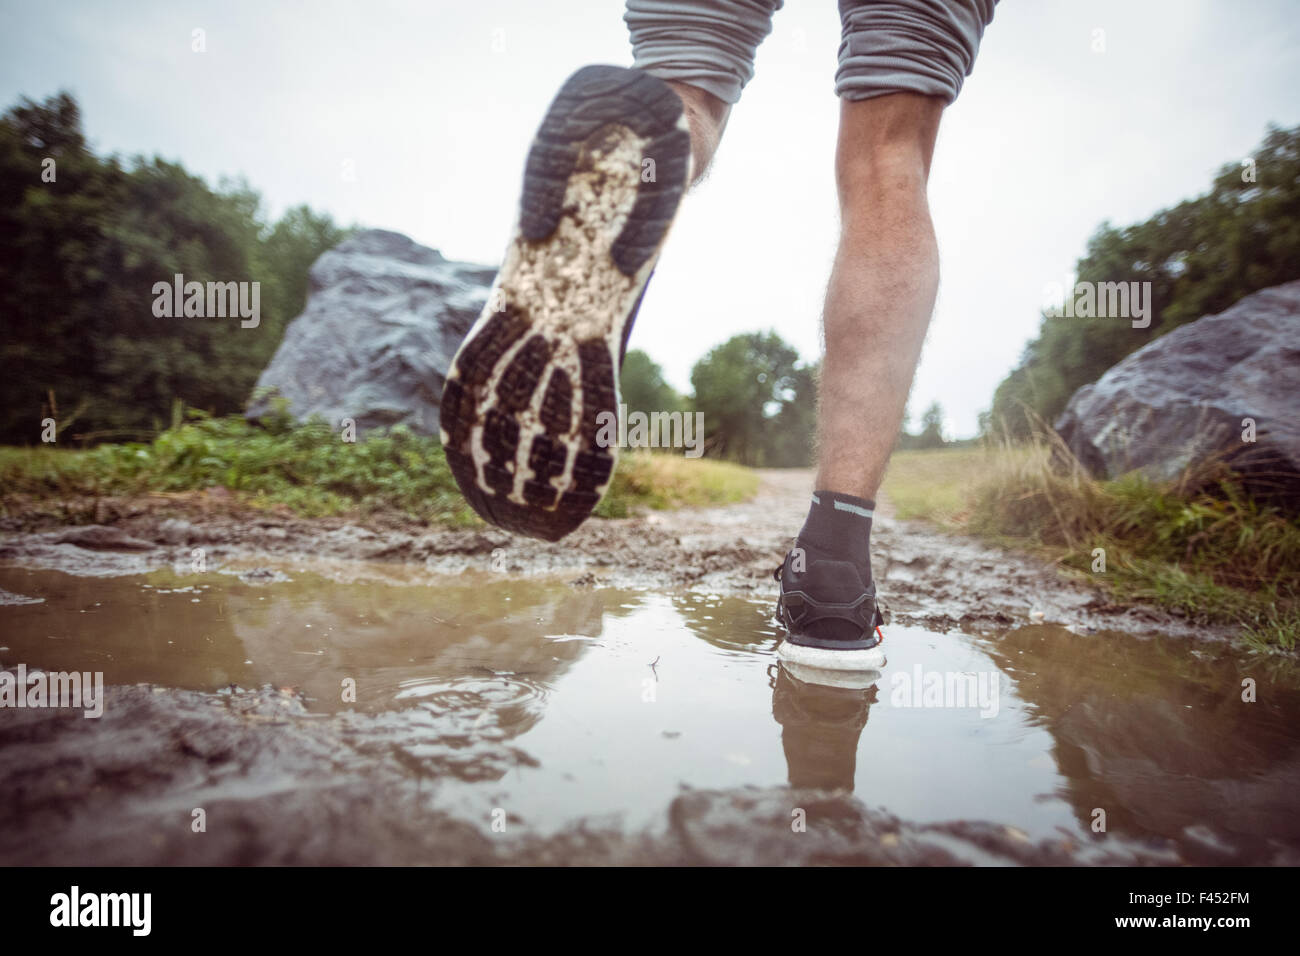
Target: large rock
{"x":1183,"y":398}
{"x":384,"y":317}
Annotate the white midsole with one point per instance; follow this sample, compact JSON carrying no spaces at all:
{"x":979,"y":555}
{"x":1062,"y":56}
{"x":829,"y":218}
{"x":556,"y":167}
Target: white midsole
{"x":822,"y":658}
{"x":852,"y":680}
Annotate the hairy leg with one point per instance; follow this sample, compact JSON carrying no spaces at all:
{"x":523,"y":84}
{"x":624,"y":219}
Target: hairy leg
{"x":707,"y":116}
{"x":882,"y":287}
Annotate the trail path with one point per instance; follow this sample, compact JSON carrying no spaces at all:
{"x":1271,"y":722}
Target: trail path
{"x":924,"y":576}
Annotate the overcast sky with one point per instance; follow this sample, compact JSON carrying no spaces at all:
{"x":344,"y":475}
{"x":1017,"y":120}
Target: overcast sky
{"x":432,"y":105}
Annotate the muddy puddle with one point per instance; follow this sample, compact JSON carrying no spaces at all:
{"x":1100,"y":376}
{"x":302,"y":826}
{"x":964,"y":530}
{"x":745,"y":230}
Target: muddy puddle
{"x":384,"y":715}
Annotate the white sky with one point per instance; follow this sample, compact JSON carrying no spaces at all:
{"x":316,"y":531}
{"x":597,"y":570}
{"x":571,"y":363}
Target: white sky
{"x":434,"y":103}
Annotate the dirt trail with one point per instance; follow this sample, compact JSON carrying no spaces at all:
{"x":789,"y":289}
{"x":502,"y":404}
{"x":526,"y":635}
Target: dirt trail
{"x":287,"y":785}
{"x":924,"y":577}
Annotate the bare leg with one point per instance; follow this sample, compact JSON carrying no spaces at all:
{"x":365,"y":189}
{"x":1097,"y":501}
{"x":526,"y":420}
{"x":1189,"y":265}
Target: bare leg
{"x":882,"y":288}
{"x":707,"y":116}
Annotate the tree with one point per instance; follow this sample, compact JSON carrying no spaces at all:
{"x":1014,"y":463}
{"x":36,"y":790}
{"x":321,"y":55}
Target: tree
{"x":642,"y":384}
{"x":1199,"y":257}
{"x":288,"y":251}
{"x":788,"y":442}
{"x":83,"y":241}
{"x":931,"y":435}
{"x":758,"y":402}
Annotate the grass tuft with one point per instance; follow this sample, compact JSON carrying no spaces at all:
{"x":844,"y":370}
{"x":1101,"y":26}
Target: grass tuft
{"x":659,"y":481}
{"x":1199,"y":546}
{"x":310,"y":469}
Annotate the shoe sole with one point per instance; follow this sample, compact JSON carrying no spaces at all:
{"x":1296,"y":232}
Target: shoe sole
{"x":830,"y":659}
{"x":523,"y":402}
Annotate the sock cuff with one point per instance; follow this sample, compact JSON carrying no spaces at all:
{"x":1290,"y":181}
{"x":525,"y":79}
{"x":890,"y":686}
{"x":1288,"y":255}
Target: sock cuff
{"x":839,"y":501}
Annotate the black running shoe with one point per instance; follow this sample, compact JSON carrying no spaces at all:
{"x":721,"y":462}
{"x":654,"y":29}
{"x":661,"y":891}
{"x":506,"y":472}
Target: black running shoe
{"x":823,"y":592}
{"x":520,"y":408}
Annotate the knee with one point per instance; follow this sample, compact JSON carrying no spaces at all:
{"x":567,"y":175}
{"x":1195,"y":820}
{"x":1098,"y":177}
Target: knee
{"x":885,"y":215}
{"x":889,"y":176}
{"x":884,"y":150}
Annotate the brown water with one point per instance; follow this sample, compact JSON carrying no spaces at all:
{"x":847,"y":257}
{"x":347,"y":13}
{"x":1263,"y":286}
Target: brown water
{"x":563,"y":704}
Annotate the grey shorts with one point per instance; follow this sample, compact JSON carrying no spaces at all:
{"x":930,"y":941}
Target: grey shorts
{"x":886,"y":46}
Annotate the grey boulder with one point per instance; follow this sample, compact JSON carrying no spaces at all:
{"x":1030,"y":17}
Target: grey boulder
{"x":1186,"y":396}
{"x":383,"y":319}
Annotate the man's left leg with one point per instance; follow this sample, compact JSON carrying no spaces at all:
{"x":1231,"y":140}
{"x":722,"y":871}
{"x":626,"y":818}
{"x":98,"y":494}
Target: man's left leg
{"x":878,"y":305}
{"x":882,"y":288}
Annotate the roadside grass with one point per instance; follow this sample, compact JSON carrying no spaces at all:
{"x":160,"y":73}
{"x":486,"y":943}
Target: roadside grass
{"x":939,"y":485}
{"x":661,"y":481}
{"x":1198,"y":546}
{"x":311,"y":470}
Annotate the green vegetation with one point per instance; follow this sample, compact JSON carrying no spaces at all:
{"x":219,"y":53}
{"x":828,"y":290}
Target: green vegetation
{"x":307,"y":467}
{"x":641,"y":381}
{"x":759,"y":402}
{"x":668,"y":481}
{"x":1198,"y":546}
{"x":1200,"y":257}
{"x":83,"y":240}
{"x":312,"y":470}
{"x":931,"y":433}
{"x":937,"y":485}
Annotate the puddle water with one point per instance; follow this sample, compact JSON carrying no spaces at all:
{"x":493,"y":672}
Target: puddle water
{"x":557,"y":703}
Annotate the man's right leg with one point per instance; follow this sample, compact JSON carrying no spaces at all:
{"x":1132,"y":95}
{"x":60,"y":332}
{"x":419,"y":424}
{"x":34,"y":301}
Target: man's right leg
{"x":704,"y":50}
{"x":532,"y":392}
{"x":707,"y":117}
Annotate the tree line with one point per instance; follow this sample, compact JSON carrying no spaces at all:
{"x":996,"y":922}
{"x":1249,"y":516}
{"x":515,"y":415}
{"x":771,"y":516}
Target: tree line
{"x":1199,"y":257}
{"x":758,"y":399}
{"x":84,"y":239}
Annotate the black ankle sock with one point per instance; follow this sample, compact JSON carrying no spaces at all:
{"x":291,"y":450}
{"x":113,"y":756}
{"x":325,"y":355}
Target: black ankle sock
{"x":838,"y":528}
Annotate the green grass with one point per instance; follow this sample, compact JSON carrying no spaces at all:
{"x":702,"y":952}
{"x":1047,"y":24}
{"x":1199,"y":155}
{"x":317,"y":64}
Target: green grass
{"x":937,"y":485}
{"x":666,"y":481}
{"x":1199,"y":545}
{"x":314,"y":472}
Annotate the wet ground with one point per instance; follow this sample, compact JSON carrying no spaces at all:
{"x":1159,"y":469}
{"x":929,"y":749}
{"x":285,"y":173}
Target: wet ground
{"x":464,"y":696}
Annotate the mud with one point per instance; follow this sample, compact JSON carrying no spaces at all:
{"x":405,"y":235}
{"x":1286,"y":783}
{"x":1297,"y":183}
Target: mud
{"x":924,"y":577}
{"x":327,"y":692}
{"x":278,"y":790}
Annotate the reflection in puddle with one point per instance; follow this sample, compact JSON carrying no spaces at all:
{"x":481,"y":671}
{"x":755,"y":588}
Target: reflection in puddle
{"x":821,"y":727}
{"x":557,"y":704}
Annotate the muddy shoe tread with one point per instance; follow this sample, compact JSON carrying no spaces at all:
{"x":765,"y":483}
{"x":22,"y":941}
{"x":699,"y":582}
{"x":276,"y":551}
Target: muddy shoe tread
{"x":523,"y":402}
